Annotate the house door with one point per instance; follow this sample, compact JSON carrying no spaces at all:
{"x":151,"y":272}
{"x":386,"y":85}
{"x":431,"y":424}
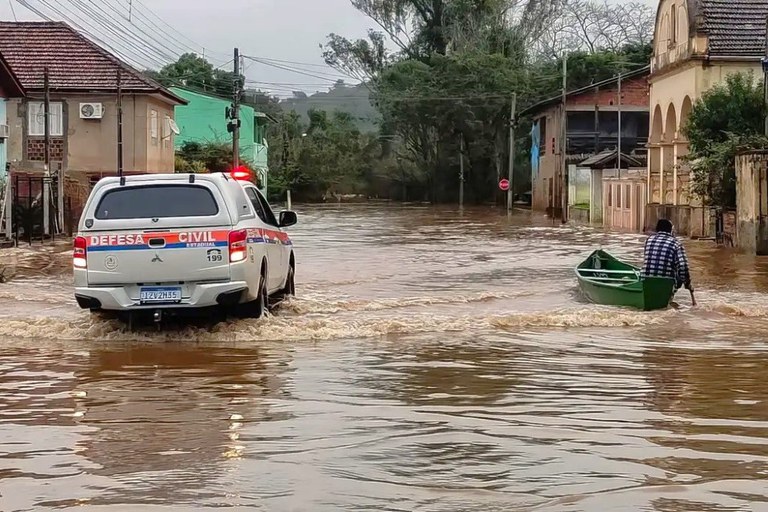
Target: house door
{"x":617,"y":206}
{"x":627,"y":212}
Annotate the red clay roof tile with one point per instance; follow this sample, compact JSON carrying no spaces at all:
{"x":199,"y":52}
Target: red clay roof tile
{"x":74,"y":62}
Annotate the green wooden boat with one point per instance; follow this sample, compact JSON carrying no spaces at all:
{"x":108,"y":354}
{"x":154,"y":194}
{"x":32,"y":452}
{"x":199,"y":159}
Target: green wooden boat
{"x":611,"y":282}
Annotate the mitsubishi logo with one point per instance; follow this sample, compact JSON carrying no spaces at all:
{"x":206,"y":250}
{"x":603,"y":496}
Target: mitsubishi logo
{"x":157,"y":258}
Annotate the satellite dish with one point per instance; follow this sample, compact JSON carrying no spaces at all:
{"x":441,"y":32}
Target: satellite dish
{"x":173,"y":126}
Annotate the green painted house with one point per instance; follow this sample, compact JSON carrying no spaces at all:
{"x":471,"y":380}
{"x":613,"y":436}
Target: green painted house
{"x":203,"y":120}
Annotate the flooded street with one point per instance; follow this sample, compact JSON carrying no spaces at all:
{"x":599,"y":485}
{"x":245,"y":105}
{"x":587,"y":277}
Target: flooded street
{"x":433,"y":361}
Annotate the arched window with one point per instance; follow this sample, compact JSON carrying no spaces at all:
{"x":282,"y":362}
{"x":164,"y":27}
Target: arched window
{"x":673,"y":24}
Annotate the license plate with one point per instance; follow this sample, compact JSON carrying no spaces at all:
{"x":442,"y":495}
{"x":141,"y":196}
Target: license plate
{"x":160,"y":295}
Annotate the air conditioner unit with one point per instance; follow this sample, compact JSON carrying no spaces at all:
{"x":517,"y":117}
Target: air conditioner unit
{"x":91,"y":110}
{"x":5,"y":131}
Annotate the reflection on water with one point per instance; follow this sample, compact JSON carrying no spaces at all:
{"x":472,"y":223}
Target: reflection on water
{"x":433,"y":361}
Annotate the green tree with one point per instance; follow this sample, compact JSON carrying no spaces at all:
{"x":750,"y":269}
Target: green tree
{"x":209,"y":156}
{"x":195,"y":72}
{"x":586,"y":68}
{"x":329,"y":156}
{"x":727,"y":119}
{"x":457,"y":63}
{"x":189,"y":69}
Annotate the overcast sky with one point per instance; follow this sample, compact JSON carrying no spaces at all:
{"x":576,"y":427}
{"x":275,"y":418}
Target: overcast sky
{"x":285,"y":30}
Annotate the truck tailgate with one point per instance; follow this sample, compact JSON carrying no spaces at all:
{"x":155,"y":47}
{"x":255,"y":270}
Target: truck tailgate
{"x":158,"y":257}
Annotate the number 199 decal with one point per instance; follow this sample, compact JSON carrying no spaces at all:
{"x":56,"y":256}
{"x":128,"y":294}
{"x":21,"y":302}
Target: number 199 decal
{"x":214,"y":255}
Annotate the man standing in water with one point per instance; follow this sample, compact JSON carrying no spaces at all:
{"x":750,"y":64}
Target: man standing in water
{"x":665,"y":257}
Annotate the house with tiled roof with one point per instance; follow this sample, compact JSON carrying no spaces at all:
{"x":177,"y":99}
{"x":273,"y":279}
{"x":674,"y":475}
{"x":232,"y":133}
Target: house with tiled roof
{"x":697,"y":43}
{"x":592,"y":116}
{"x":83,"y":120}
{"x":10,"y":87}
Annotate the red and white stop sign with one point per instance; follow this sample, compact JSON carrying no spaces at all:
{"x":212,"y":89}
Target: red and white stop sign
{"x":504,"y":184}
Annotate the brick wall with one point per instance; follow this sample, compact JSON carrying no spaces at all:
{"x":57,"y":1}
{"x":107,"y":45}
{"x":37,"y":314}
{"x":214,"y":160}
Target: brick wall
{"x":36,"y":149}
{"x":634,"y":92}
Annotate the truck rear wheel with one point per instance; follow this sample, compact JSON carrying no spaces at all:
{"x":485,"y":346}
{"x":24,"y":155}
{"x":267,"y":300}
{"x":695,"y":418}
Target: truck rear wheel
{"x":289,"y":290}
{"x":260,"y":307}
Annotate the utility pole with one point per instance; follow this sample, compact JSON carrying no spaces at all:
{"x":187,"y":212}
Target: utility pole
{"x":119,"y":123}
{"x":461,"y":172}
{"x":564,"y":145}
{"x":130,"y":11}
{"x":236,"y":113}
{"x":618,"y":156}
{"x":511,"y":177}
{"x":46,"y":192}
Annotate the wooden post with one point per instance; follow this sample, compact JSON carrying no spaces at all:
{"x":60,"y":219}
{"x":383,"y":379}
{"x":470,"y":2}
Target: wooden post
{"x":765,"y":79}
{"x":60,"y":198}
{"x":618,"y":156}
{"x":564,"y":145}
{"x":236,"y":113}
{"x":511,"y":178}
{"x":46,"y":187}
{"x":8,"y":202}
{"x":461,"y":172}
{"x":119,"y":123}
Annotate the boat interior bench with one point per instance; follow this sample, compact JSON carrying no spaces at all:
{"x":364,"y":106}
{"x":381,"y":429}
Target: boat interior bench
{"x":601,"y":271}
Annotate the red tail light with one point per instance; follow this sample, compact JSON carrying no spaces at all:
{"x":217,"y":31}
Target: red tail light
{"x":79,"y":255}
{"x":238,"y":245}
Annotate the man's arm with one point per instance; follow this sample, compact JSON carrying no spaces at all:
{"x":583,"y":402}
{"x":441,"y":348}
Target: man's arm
{"x":645,"y":256}
{"x":683,"y":269}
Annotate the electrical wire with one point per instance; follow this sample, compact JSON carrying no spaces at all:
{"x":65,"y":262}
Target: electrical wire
{"x":171,"y":27}
{"x":322,"y":66}
{"x":119,"y":30}
{"x":328,"y":78}
{"x":88,"y":30}
{"x":153,"y":50}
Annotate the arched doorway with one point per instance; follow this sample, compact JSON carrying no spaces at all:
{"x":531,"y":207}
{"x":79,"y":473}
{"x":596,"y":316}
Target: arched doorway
{"x":670,"y":125}
{"x":668,"y":160}
{"x":657,"y":126}
{"x":654,"y":156}
{"x":685,"y":112}
{"x":682,"y":184}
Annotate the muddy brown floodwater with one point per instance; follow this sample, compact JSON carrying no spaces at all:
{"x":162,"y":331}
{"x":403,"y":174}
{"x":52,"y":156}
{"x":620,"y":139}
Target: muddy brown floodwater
{"x":433,"y":361}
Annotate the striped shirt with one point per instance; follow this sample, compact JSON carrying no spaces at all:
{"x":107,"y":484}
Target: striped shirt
{"x":665,"y":257}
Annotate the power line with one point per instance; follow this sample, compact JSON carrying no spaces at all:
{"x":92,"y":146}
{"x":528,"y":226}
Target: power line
{"x":171,"y":27}
{"x":139,"y":15}
{"x":322,"y":66}
{"x":130,"y":41}
{"x":119,"y":29}
{"x":328,"y":78}
{"x":88,"y":29}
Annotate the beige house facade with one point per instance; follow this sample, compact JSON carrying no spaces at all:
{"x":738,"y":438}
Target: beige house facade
{"x":697,"y":44}
{"x":84,"y":84}
{"x":90,"y":146}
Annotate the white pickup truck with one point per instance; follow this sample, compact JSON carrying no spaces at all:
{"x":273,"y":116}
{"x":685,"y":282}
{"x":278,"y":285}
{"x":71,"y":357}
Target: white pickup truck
{"x":171,"y":243}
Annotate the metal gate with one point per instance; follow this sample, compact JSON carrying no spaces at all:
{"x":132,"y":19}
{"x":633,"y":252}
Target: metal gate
{"x":35,"y":209}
